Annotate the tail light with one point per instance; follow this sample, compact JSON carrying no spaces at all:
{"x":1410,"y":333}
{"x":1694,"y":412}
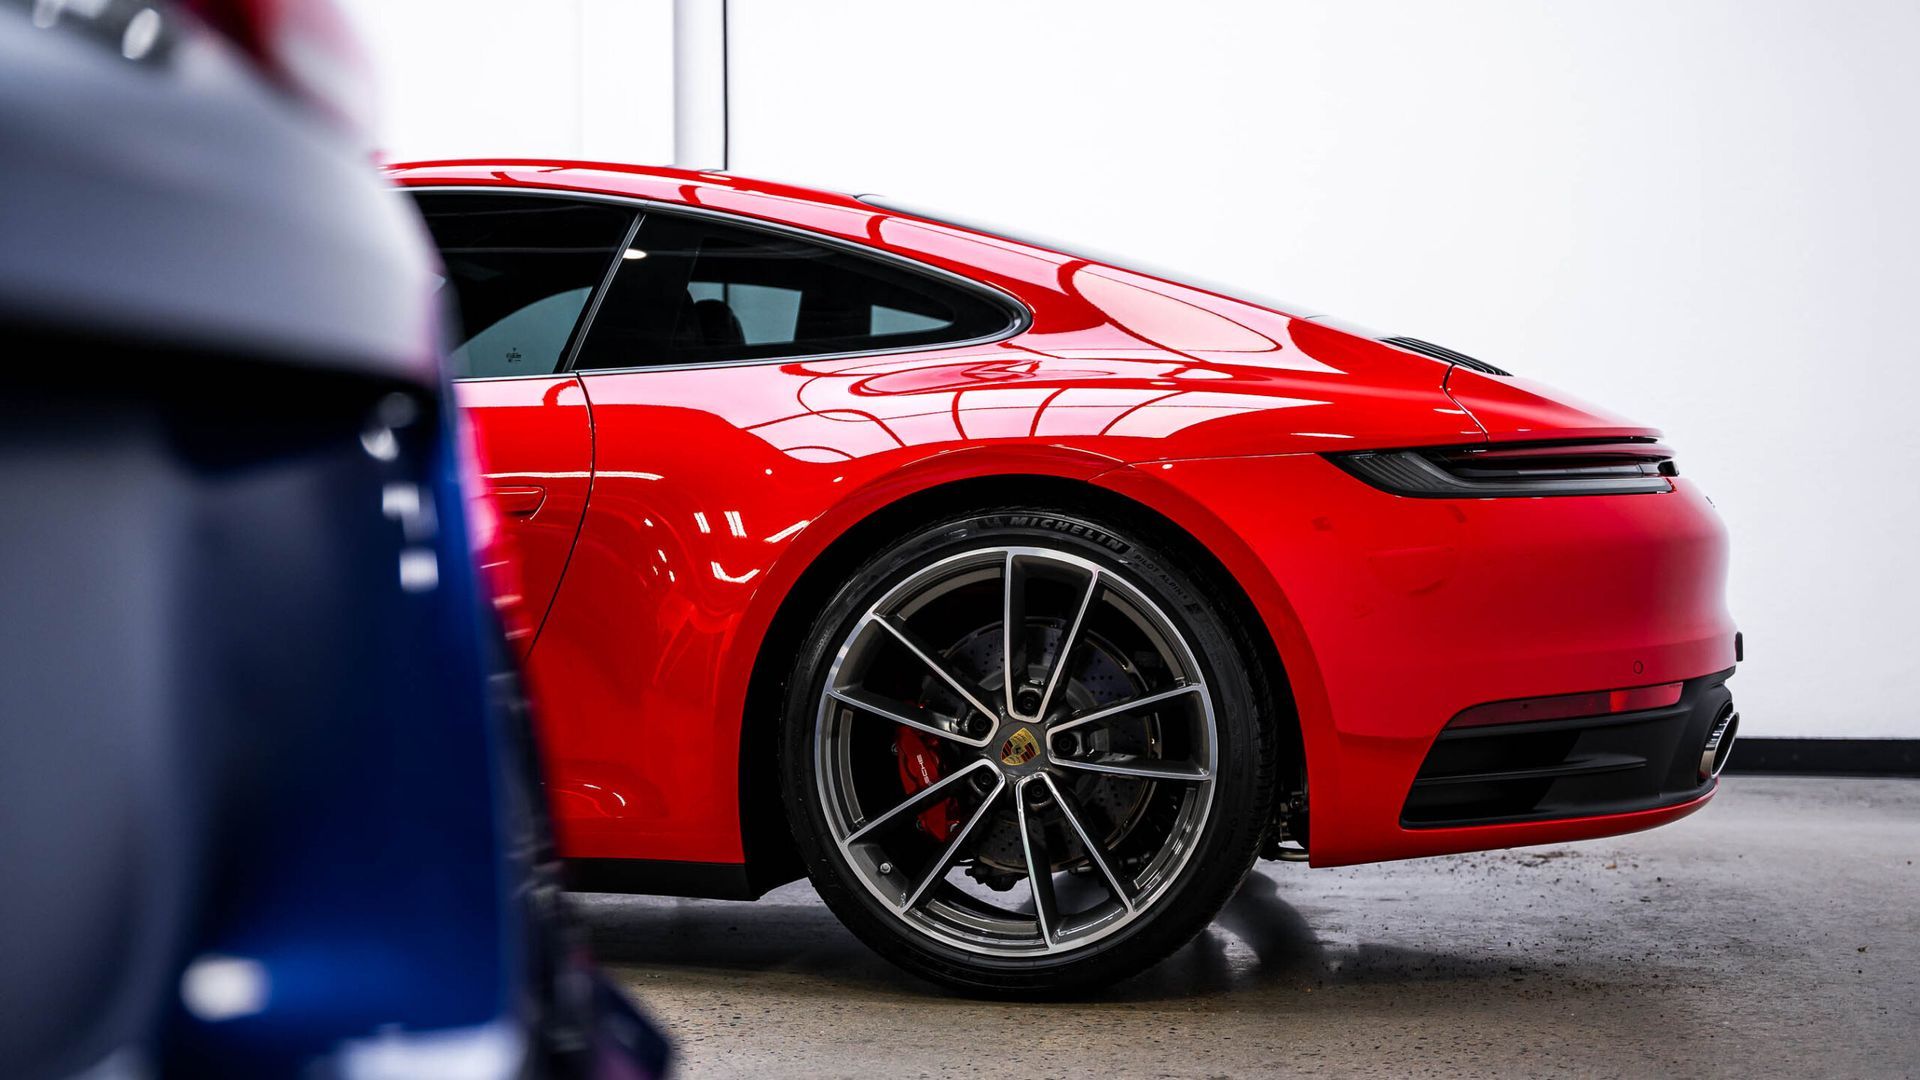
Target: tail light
{"x":1518,"y":470}
{"x":306,"y":46}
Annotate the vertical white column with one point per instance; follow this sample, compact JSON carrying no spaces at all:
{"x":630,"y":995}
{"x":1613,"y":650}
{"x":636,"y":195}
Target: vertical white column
{"x":700,"y":84}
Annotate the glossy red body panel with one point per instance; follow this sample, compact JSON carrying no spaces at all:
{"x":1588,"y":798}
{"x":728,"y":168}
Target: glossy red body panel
{"x":536,"y":462}
{"x":1512,"y":408}
{"x":715,"y":488}
{"x":1392,"y":615}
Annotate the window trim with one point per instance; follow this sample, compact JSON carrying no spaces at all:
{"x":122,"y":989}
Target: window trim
{"x":585,"y":323}
{"x":1019,"y":316}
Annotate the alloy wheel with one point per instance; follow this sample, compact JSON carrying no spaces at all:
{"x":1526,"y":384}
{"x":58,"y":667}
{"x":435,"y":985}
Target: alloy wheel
{"x":1015,"y":751}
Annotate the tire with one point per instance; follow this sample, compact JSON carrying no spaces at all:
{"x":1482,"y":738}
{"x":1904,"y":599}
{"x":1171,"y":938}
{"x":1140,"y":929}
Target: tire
{"x":923,"y":792}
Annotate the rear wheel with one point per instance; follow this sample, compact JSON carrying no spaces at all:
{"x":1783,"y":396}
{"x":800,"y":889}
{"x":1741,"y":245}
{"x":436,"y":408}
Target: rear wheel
{"x":1023,"y":752}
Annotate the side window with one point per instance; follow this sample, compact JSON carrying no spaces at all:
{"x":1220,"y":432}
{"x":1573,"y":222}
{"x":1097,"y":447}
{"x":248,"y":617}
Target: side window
{"x":695,"y":290}
{"x":521,"y":269}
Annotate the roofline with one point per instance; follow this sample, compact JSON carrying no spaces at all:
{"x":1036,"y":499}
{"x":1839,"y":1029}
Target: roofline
{"x":398,"y":170}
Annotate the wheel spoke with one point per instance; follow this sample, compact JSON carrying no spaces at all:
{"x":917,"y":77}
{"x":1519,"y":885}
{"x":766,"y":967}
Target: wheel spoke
{"x":1123,"y":708}
{"x":945,"y":861}
{"x":1013,"y":629}
{"x":1067,"y":642}
{"x":1070,"y":810}
{"x":930,"y":793}
{"x":1145,"y":768}
{"x":934,"y":663}
{"x":1033,"y":844}
{"x":903,"y":714}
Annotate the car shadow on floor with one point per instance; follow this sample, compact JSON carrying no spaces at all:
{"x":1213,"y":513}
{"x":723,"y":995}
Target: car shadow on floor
{"x":781,"y":934}
{"x":1259,"y":943}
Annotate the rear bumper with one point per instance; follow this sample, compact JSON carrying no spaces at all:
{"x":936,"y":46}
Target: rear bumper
{"x":1567,"y":767}
{"x":1392,"y":615}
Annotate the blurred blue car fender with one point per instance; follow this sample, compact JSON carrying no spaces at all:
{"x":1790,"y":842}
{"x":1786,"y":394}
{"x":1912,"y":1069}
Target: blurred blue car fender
{"x":269,"y":803}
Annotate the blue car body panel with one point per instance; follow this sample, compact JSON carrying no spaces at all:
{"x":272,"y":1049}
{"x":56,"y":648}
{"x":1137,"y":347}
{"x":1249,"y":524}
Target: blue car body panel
{"x":268,"y":802}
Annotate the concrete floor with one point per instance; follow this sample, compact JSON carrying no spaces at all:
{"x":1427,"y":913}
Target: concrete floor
{"x":1777,"y":932}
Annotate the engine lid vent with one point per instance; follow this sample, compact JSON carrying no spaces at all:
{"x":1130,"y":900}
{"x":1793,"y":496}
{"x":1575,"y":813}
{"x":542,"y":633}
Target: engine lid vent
{"x":1442,"y":353}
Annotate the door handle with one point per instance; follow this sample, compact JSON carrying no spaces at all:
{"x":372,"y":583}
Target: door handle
{"x":519,"y":502}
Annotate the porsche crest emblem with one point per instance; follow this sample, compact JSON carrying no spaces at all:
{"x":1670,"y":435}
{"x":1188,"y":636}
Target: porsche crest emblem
{"x":1020,"y":748}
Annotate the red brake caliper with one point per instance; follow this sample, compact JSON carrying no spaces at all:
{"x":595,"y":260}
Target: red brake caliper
{"x":920,"y":769}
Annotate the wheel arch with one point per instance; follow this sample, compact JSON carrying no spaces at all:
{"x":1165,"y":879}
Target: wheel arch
{"x":771,"y":858}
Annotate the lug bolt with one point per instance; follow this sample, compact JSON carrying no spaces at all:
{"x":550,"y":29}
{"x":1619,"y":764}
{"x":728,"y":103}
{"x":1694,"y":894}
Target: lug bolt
{"x":1027,"y":701}
{"x":1066,"y":744}
{"x":978,"y":726}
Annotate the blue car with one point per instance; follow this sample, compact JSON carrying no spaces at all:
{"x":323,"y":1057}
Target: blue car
{"x":268,"y":801}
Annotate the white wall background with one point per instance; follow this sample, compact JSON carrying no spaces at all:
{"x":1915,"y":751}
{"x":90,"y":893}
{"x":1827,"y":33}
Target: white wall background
{"x":1702,"y":213}
{"x":586,"y":79}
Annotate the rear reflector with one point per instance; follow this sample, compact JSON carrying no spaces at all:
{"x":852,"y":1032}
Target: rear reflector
{"x":1568,"y":706}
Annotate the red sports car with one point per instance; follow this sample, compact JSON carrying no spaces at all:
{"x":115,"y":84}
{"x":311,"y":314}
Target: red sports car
{"x":1021,"y":600}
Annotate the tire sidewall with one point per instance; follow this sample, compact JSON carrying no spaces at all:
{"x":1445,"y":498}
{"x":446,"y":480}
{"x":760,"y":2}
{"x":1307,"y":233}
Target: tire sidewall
{"x":1242,"y":779}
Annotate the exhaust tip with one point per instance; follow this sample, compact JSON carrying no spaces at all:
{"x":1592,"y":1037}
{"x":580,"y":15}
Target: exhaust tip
{"x":1719,"y":744}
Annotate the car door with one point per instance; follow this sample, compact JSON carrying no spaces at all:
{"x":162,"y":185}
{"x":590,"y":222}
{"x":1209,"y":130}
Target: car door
{"x":707,"y":460}
{"x":522,"y":271}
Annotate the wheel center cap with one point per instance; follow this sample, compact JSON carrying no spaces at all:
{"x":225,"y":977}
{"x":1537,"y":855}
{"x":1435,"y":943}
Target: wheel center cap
{"x":1019,"y":748}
